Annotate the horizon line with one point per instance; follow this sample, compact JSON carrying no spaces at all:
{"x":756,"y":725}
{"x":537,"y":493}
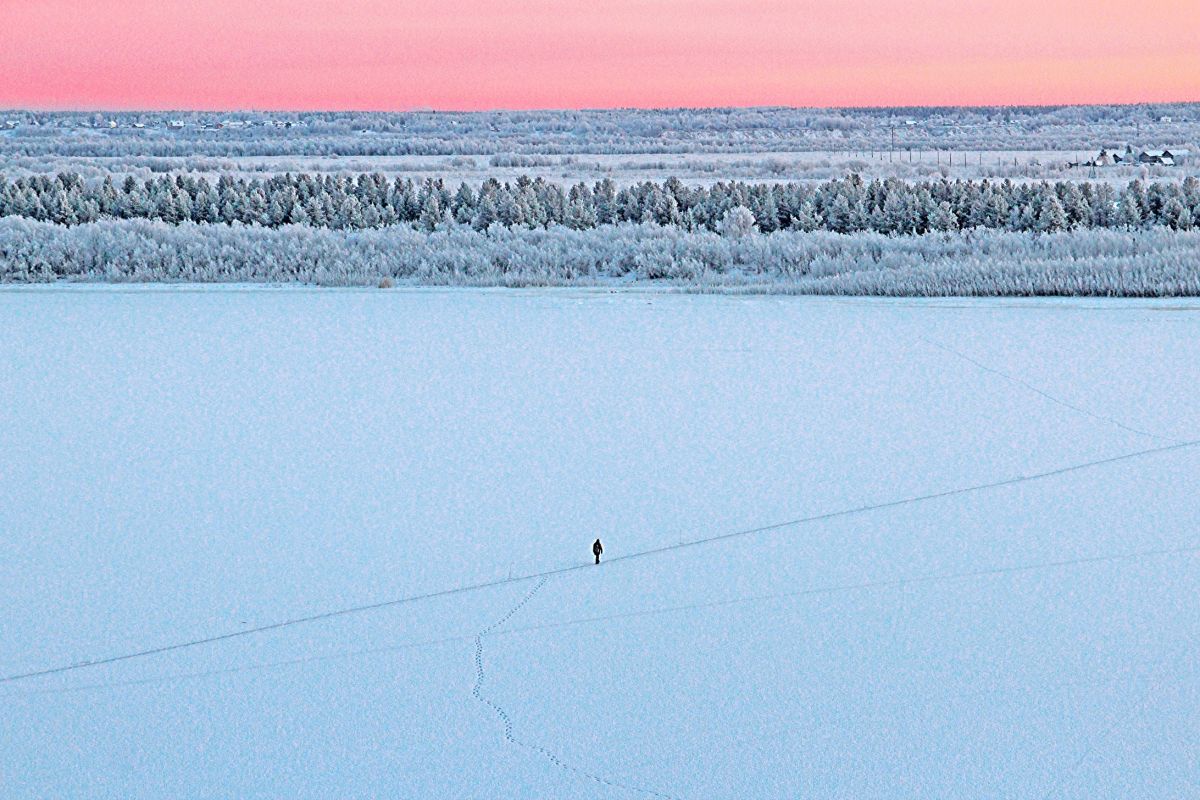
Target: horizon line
{"x":579,"y":110}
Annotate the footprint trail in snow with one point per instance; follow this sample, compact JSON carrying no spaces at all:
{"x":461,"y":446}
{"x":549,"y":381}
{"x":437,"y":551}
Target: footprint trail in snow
{"x":506,"y":719}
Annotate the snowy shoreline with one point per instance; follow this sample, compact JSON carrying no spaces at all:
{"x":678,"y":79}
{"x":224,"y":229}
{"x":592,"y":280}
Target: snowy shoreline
{"x":1156,"y":262}
{"x":613,"y":291}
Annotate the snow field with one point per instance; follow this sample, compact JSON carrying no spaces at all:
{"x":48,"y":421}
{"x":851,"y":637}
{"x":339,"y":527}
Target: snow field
{"x":181,"y":462}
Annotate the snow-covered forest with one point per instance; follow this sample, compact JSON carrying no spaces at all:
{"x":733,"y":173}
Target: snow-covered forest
{"x":767,"y":199}
{"x":733,"y":208}
{"x":842,"y":236}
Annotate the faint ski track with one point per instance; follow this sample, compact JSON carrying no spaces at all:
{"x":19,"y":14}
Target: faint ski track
{"x":654,"y":551}
{"x":506,"y":719}
{"x":893,"y":583}
{"x":1058,"y":401}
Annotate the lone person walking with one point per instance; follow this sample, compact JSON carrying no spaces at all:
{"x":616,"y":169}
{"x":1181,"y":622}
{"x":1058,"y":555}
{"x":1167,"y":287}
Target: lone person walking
{"x":597,"y":549}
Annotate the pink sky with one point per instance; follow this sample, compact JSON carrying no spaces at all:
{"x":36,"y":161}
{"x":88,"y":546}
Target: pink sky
{"x":474,"y":54}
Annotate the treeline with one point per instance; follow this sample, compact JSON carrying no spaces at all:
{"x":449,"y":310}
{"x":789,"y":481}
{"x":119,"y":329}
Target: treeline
{"x":1149,"y":263}
{"x":369,"y":201}
{"x":681,"y":130}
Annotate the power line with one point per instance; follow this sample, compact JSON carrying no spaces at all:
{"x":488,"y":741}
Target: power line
{"x":615,"y":560}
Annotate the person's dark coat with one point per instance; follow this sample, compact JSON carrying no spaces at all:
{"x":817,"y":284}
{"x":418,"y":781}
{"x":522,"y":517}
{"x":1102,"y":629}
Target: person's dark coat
{"x":597,"y":549}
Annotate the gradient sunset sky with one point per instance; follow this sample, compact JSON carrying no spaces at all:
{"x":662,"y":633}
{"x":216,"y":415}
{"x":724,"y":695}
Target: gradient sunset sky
{"x":478,"y":54}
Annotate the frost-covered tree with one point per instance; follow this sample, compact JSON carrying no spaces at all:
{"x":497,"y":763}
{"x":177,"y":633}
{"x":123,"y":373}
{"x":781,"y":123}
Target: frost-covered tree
{"x":942,"y":218}
{"x":1176,"y":215}
{"x":738,"y":222}
{"x":1050,"y":216}
{"x":431,"y":212}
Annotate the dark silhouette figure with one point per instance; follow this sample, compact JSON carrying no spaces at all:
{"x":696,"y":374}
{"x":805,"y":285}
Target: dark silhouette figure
{"x":597,"y":549}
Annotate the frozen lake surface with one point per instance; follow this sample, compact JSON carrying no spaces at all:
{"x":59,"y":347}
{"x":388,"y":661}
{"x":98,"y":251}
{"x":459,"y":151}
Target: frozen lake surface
{"x":178,"y":463}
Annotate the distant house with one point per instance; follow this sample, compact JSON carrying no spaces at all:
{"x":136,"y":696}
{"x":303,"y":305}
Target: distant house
{"x":1163,"y":157}
{"x":1164,"y":119}
{"x":1107,"y":158}
{"x":175,"y":125}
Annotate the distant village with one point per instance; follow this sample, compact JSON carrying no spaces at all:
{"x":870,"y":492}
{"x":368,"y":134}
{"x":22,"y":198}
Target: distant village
{"x":955,"y":136}
{"x":1162,"y":157}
